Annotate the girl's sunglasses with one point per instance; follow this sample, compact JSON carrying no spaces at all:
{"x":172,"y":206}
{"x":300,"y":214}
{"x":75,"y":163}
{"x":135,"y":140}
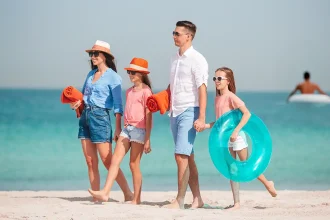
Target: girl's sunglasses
{"x":219,"y":78}
{"x":131,"y":72}
{"x":95,"y":53}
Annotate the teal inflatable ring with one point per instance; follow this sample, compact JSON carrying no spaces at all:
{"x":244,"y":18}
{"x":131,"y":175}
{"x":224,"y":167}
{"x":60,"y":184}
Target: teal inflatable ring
{"x":256,"y":164}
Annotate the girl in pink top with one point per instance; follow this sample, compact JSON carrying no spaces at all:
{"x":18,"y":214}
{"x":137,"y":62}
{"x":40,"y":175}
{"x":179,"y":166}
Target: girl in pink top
{"x":225,"y":101}
{"x":136,"y":134}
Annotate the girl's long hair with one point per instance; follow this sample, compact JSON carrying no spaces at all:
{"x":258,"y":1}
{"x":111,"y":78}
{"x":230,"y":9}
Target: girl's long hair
{"x":109,"y":61}
{"x":146,"y":80}
{"x":230,"y":77}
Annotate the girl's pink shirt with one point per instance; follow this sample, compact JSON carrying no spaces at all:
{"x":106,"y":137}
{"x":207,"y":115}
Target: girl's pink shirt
{"x":135,"y":109}
{"x":226,"y":102}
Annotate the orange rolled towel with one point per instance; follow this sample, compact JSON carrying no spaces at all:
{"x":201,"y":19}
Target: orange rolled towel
{"x":71,"y":94}
{"x":159,"y":102}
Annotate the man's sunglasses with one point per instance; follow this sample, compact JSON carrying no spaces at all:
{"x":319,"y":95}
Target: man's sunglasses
{"x":219,"y":78}
{"x":177,"y":34}
{"x":95,"y":53}
{"x":131,"y":72}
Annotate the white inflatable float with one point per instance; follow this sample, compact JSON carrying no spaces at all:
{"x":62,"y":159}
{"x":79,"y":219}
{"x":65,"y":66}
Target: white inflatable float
{"x":310,"y":98}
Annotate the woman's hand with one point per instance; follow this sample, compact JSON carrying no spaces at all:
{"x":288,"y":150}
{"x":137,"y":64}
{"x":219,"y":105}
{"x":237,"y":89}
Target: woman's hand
{"x":116,"y":135}
{"x":75,"y":105}
{"x":233,"y":136}
{"x":147,"y":148}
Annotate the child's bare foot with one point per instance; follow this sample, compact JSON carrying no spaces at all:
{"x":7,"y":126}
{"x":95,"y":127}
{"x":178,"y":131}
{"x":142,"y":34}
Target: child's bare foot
{"x":174,"y":205}
{"x":197,"y":203}
{"x":270,"y":186}
{"x":99,"y":195}
{"x":232,"y":207}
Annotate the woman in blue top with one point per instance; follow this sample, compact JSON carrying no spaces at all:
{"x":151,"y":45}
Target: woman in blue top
{"x":102,"y":93}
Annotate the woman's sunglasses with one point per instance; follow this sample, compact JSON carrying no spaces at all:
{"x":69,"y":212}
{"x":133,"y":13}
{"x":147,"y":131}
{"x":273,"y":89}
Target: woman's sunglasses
{"x":95,"y":53}
{"x":219,"y":78}
{"x":131,"y":72}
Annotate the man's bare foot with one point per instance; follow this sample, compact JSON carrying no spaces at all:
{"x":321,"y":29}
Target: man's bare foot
{"x":270,"y":186}
{"x":232,"y":207}
{"x":99,"y":195}
{"x":129,"y":197}
{"x":197,"y":203}
{"x":174,"y":205}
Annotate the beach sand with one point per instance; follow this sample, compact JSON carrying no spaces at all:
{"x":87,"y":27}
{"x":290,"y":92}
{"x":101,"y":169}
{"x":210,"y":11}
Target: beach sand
{"x":78,"y":205}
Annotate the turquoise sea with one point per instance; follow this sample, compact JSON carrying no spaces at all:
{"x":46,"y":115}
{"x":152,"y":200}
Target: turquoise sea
{"x":39,"y":149}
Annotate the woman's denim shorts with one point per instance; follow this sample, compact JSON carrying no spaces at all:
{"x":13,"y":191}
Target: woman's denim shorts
{"x":95,"y":124}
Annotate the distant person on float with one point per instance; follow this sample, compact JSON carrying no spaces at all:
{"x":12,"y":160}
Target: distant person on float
{"x":307,"y":87}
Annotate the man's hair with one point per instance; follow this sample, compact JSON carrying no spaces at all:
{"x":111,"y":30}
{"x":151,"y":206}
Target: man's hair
{"x":188,"y":25}
{"x":306,"y":75}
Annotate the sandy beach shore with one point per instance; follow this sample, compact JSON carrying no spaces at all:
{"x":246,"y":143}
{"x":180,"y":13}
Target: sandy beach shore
{"x":78,"y":205}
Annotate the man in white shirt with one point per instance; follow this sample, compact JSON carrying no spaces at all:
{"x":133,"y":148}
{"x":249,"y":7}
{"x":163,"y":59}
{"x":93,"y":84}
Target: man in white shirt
{"x":188,"y":81}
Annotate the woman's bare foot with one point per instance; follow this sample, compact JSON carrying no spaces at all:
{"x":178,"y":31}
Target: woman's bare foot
{"x":99,"y":195}
{"x":197,"y":203}
{"x":232,"y":207}
{"x":174,"y":205}
{"x":270,"y":186}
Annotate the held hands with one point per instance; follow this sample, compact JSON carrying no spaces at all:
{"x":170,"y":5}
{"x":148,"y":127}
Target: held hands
{"x":75,"y":105}
{"x":147,"y":148}
{"x":199,"y":125}
{"x":206,"y":126}
{"x":233,"y":136}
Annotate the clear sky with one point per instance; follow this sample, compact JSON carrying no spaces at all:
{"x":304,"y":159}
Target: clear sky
{"x":268,"y":43}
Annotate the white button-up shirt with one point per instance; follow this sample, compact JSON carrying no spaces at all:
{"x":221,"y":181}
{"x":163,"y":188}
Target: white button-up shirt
{"x":188,"y":73}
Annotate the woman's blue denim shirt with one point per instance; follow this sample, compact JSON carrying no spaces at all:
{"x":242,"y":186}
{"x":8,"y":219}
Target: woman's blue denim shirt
{"x":106,"y":92}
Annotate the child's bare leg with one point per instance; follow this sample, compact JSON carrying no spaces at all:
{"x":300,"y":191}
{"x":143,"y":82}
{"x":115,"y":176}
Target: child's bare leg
{"x":242,"y":154}
{"x":136,"y":154}
{"x":234,"y":188}
{"x":268,"y":184}
{"x":105,"y":152}
{"x":121,"y":149}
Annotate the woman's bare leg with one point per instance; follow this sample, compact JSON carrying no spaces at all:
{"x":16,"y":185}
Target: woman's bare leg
{"x":90,"y":153}
{"x":121,"y":149}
